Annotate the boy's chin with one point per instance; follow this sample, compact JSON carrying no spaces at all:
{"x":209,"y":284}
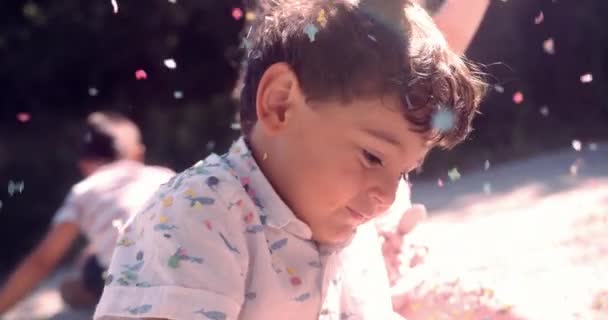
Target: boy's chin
{"x":335,"y":239}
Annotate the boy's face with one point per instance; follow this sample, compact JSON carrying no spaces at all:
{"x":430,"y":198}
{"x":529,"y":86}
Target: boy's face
{"x":336,"y":166}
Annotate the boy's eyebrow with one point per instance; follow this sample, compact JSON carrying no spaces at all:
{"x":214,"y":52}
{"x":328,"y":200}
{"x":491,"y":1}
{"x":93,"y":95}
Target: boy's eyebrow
{"x":383,"y":136}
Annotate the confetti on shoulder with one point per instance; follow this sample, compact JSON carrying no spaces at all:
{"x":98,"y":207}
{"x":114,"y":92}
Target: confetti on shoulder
{"x":278,"y":244}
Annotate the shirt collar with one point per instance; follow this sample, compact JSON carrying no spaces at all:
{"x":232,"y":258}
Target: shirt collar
{"x":275,"y":212}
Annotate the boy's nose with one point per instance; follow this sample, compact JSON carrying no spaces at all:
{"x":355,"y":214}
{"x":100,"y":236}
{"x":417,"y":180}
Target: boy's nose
{"x":383,"y":196}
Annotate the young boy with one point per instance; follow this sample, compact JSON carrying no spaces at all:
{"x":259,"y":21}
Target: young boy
{"x":338,"y":105}
{"x":116,"y":185}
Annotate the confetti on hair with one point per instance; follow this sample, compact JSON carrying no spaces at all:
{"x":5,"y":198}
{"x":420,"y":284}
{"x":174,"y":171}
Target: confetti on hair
{"x":322,"y":19}
{"x":454,"y":174}
{"x":518,"y":97}
{"x":170,"y":63}
{"x":549,"y":46}
{"x":544,"y":110}
{"x":311,"y":31}
{"x":540,"y":18}
{"x":587,"y":78}
{"x":237,"y":13}
{"x":499,"y":88}
{"x":178,"y":94}
{"x":23,"y":117}
{"x":93,"y":91}
{"x":443,"y":120}
{"x":576,"y":145}
{"x":141,"y":74}
{"x":114,"y":6}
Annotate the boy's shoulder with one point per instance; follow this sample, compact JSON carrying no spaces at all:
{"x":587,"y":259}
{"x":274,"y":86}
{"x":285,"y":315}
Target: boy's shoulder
{"x":213,"y":177}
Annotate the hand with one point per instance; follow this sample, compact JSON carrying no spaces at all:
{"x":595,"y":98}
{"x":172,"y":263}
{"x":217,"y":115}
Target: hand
{"x":393,"y":239}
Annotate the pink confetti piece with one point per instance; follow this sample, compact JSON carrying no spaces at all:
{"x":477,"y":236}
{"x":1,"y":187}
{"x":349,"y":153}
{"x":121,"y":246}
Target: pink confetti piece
{"x":141,"y":75}
{"x":114,"y":6}
{"x":587,"y":78}
{"x":439,"y":183}
{"x":208,"y":224}
{"x":237,"y":13}
{"x":549,"y":46}
{"x":576,"y":145}
{"x":23,"y":117}
{"x":544,"y":111}
{"x":518,"y":97}
{"x":540,"y":18}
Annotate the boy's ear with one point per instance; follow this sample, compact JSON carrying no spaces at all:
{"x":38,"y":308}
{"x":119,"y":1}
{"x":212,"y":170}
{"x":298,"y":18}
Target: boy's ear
{"x":278,"y":92}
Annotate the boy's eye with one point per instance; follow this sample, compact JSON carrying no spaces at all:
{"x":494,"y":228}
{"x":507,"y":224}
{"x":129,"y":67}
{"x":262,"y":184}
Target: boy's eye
{"x":371,"y":159}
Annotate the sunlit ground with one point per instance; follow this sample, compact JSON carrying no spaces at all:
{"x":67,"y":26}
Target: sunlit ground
{"x":535,"y":247}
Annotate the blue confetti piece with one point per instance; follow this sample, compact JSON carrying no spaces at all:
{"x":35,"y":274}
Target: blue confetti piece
{"x":263,"y":219}
{"x":278,"y":244}
{"x":213,"y":315}
{"x":140,"y":255}
{"x":443,"y":120}
{"x":230,"y":247}
{"x":141,"y":309}
{"x":135,"y":267}
{"x":164,"y":226}
{"x":255,"y":228}
{"x":311,"y":31}
{"x":250,"y":295}
{"x":212,"y":182}
{"x":302,"y":297}
{"x":315,"y":264}
{"x":200,"y":200}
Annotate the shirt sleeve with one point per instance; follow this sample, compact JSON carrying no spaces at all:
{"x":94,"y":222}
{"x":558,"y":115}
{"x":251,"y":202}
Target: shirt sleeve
{"x":184,"y":256}
{"x":69,"y":210}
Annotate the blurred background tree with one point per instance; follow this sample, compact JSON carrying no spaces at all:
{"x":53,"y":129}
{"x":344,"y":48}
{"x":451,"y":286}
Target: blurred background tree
{"x":60,"y":60}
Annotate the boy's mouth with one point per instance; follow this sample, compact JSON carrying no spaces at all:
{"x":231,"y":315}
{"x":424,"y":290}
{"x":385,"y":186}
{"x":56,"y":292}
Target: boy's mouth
{"x":358,"y":216}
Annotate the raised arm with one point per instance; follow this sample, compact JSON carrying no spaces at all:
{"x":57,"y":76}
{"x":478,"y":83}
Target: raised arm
{"x":459,"y":20}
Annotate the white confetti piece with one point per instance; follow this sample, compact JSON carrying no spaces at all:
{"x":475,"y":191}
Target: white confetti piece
{"x":539,"y":18}
{"x":170,"y":63}
{"x":117,"y":223}
{"x":486,"y":165}
{"x":14,"y":186}
{"x":487,"y":188}
{"x":177,"y":94}
{"x":593,"y":146}
{"x":499,"y":88}
{"x":549,"y":46}
{"x":454,"y":174}
{"x":576,"y":145}
{"x":210,"y":145}
{"x":443,"y":120}
{"x":173,"y":1}
{"x":544,"y":110}
{"x":93,"y":91}
{"x":114,"y":6}
{"x":587,"y":78}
